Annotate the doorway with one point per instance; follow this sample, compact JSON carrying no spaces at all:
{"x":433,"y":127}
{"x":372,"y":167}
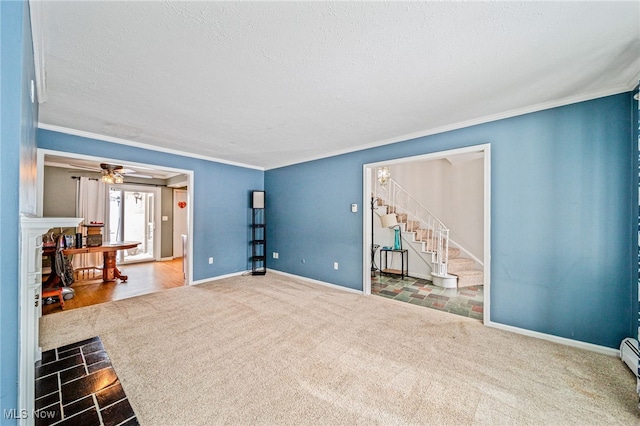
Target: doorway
{"x":180,"y":221}
{"x":369,"y":174}
{"x":133,"y":217}
{"x":86,"y":164}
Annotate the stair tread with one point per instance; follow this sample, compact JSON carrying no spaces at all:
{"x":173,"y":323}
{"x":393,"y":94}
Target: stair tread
{"x":468,"y":272}
{"x":462,"y":259}
{"x":460,"y":264}
{"x":470,"y":278}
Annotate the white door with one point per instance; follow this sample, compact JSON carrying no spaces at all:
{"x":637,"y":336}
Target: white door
{"x":132,"y":217}
{"x":180,"y":220}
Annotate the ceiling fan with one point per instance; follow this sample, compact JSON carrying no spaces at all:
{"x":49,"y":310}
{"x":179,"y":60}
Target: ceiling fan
{"x":112,"y":173}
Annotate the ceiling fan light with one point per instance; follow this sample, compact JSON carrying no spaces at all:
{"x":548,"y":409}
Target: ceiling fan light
{"x":109,"y":175}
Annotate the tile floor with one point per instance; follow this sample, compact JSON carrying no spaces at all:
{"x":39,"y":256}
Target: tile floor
{"x":466,"y":301}
{"x":77,"y":385}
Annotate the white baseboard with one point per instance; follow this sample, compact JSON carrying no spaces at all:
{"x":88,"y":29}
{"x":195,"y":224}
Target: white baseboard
{"x":219,"y":277}
{"x":421,"y":276}
{"x":311,"y":280}
{"x":556,"y":339}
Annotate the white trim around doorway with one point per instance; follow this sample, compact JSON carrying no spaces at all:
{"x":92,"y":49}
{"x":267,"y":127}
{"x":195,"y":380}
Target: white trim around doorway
{"x":41,"y":153}
{"x":367,"y":176}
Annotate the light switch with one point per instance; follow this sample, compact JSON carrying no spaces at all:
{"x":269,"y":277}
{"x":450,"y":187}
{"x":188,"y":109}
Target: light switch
{"x":165,"y":218}
{"x":354,"y":208}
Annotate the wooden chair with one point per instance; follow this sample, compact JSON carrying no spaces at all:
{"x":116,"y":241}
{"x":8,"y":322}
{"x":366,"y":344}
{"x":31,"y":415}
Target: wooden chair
{"x":53,"y":292}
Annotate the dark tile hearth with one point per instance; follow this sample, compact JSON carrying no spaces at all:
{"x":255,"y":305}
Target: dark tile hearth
{"x":77,"y":385}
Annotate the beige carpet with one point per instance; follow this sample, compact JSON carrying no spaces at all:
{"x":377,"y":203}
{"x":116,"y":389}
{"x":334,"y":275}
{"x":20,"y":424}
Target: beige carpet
{"x":274,"y":350}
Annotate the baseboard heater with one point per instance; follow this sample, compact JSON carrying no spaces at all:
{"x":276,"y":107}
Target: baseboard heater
{"x":629,"y":354}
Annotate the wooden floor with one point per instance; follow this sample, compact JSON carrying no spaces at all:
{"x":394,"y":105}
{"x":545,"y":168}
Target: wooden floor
{"x":148,"y":277}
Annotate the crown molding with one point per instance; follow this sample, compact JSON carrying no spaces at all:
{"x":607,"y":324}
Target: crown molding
{"x":634,"y":82}
{"x":141,"y":145}
{"x":468,"y":123}
{"x":429,"y":132}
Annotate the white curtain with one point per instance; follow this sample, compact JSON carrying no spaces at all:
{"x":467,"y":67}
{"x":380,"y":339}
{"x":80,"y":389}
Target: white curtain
{"x":92,"y":206}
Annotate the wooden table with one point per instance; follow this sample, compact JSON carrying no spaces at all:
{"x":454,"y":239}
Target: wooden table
{"x":109,"y":271}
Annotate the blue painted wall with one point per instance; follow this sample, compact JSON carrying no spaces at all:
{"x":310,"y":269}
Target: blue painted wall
{"x":221,"y":199}
{"x":561,"y":217}
{"x":17,"y":123}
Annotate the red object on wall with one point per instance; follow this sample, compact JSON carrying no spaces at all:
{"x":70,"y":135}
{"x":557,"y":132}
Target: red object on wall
{"x":182,"y":204}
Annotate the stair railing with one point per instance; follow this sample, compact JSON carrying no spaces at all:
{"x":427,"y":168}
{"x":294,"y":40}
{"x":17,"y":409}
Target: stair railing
{"x":437,"y":234}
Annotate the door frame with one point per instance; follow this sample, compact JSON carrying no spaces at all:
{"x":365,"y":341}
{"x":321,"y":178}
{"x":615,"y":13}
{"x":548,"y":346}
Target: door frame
{"x":367,"y":179}
{"x":157,"y":223}
{"x":41,"y":153}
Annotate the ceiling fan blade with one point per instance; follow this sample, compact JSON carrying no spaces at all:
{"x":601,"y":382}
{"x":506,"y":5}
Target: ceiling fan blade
{"x":82,"y":166}
{"x":139,"y":176}
{"x":112,"y":167}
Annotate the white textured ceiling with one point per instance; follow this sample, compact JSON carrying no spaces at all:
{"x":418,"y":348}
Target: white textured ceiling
{"x":275,"y":83}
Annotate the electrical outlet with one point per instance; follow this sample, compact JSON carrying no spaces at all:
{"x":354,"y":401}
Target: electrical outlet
{"x":276,"y":255}
{"x":335,"y":265}
{"x":210,"y":260}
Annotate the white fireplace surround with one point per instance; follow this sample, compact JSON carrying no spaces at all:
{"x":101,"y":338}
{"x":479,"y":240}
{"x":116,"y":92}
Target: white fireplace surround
{"x":31,"y":231}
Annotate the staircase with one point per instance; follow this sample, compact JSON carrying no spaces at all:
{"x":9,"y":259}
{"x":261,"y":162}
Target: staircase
{"x":421,"y":228}
{"x":465,"y":269}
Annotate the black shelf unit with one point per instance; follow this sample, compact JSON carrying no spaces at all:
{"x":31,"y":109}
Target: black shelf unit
{"x":258,"y":234}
